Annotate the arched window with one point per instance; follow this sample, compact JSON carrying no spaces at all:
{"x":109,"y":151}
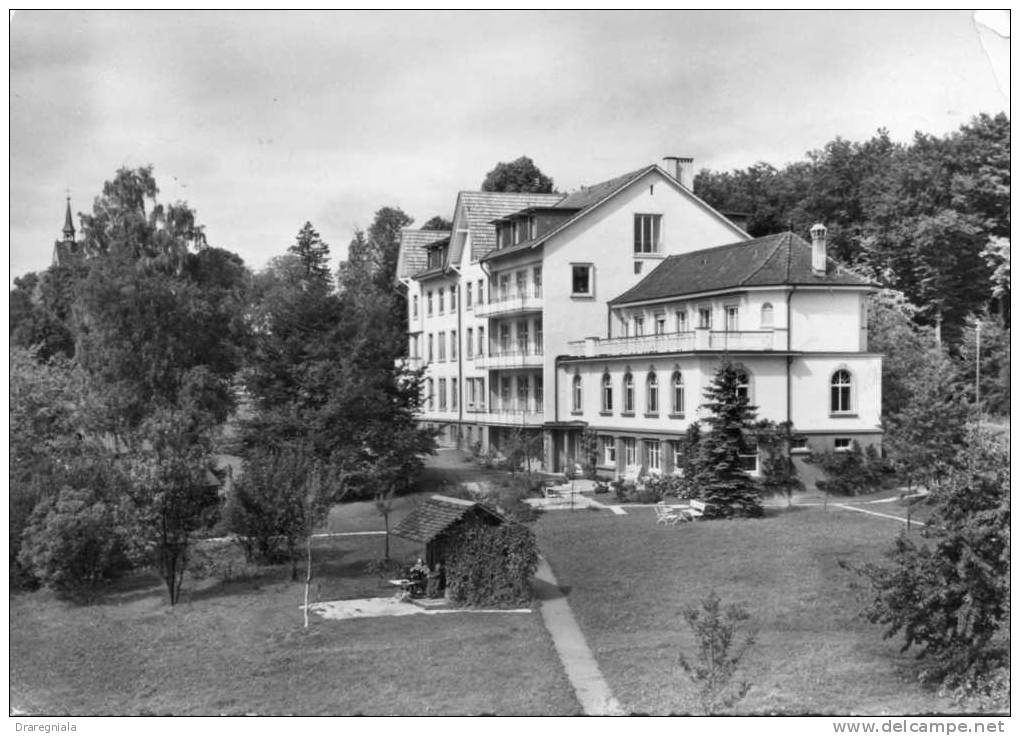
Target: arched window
{"x":840,"y":397}
{"x":607,"y":392}
{"x":653,"y":393}
{"x":743,"y":383}
{"x":766,"y":315}
{"x":678,"y":393}
{"x":576,"y":394}
{"x":628,"y":393}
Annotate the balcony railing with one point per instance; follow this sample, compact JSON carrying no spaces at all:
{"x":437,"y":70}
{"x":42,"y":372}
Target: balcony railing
{"x":514,"y":302}
{"x":512,"y":358}
{"x":676,"y":342}
{"x":521,"y":417}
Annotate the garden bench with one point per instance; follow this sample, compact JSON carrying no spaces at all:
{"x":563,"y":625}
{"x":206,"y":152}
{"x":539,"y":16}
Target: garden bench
{"x":667,"y":515}
{"x":695,"y":510}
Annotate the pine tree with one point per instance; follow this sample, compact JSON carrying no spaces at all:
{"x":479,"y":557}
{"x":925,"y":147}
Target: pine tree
{"x":726,"y":488}
{"x":314,"y":254}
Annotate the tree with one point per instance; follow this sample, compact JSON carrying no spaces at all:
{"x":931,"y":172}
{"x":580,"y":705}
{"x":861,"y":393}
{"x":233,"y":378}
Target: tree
{"x":520,"y":175}
{"x":40,"y":313}
{"x":727,"y":489}
{"x":438,"y":223}
{"x":948,"y":595}
{"x":313,"y":255}
{"x":994,"y":364}
{"x":778,"y":471}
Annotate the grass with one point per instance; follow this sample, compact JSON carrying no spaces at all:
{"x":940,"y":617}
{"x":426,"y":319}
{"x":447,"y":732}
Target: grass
{"x":239,"y":647}
{"x":629,"y":579}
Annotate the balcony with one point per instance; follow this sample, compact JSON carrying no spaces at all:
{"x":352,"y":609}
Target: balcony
{"x":680,"y":342}
{"x":526,"y":417}
{"x":511,"y":358}
{"x":512,"y":303}
{"x":408,"y":363}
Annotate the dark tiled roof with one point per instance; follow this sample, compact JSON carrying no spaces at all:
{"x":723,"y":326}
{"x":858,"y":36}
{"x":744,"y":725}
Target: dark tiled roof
{"x":437,"y":515}
{"x":481,"y":208}
{"x":411,"y":257}
{"x":769,"y":261}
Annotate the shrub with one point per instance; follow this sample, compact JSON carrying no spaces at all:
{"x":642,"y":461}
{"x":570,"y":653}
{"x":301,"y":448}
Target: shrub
{"x":850,"y":473}
{"x":491,"y":565}
{"x":76,"y":542}
{"x":715,"y":665}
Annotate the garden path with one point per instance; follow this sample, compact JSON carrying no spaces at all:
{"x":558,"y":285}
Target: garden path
{"x":583,"y":671}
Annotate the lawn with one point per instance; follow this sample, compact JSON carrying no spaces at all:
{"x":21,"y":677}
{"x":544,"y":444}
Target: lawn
{"x":239,"y":647}
{"x":629,"y":579}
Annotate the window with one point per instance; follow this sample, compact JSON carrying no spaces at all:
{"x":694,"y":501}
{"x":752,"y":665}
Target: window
{"x":504,"y":337}
{"x":608,"y":450}
{"x":704,"y":318}
{"x":732,"y":321}
{"x":471,"y":389}
{"x":678,"y":393}
{"x":536,"y":280}
{"x":481,"y":291}
{"x":653,"y":393}
{"x":766,"y":315}
{"x":414,"y":306}
{"x":646,"y":233}
{"x":744,"y":384}
{"x":453,"y":298}
{"x":504,"y":287}
{"x":841,"y":384}
{"x":428,"y":393}
{"x":537,"y":348}
{"x":521,"y":282}
{"x":469,"y":343}
{"x":842,"y":444}
{"x":412,"y":346}
{"x":468,"y":291}
{"x":428,"y":300}
{"x":504,"y":392}
{"x":431,"y":342}
{"x":453,"y":394}
{"x":481,"y":341}
{"x":628,"y":394}
{"x":576,"y":396}
{"x":523,"y":389}
{"x":453,"y":344}
{"x":442,"y":394}
{"x":639,"y":325}
{"x":629,"y":451}
{"x":681,"y":320}
{"x":442,"y":346}
{"x":607,"y":393}
{"x":749,"y":460}
{"x":653,"y":449}
{"x":581,"y":280}
{"x":660,"y":324}
{"x":799,"y":444}
{"x":481,"y":393}
{"x":441,"y":295}
{"x":677,"y":448}
{"x":539,"y":396}
{"x":522,"y":337}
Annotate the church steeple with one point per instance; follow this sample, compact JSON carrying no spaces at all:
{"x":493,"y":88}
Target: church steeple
{"x":68,"y":224}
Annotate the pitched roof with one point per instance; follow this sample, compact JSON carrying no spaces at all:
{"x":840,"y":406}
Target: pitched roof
{"x":438,"y":514}
{"x":772,"y":260}
{"x":411,"y":257}
{"x":587,"y":196}
{"x":481,"y":208}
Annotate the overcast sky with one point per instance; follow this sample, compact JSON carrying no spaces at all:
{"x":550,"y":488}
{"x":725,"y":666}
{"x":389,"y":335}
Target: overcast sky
{"x":263,"y":120}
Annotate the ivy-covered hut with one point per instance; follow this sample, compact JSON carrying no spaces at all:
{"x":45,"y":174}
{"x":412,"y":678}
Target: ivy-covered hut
{"x":438,"y":522}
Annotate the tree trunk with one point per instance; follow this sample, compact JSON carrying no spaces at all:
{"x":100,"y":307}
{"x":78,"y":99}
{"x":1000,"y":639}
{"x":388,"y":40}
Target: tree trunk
{"x":386,"y":522}
{"x":308,"y":575}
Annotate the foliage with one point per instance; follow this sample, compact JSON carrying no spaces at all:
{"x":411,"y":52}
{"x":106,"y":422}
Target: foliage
{"x":519,"y":175}
{"x":313,"y":254}
{"x":519,"y":446}
{"x":75,"y":542}
{"x":850,"y":472}
{"x":438,"y":223}
{"x":491,"y":565}
{"x":40,"y":311}
{"x":589,"y":447}
{"x":726,"y":488}
{"x":994,"y":359}
{"x":778,"y":471}
{"x":949,"y":595}
{"x":893,"y":331}
{"x":918,"y":217}
{"x":715,"y":665}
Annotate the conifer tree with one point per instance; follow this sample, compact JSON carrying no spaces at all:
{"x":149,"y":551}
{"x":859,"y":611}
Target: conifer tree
{"x":726,"y":488}
{"x":313,"y":253}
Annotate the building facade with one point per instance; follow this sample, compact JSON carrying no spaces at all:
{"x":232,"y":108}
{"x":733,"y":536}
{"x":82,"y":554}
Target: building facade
{"x":610,"y":309}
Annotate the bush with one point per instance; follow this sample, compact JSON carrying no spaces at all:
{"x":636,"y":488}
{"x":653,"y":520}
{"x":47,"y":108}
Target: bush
{"x":491,"y":565}
{"x":76,"y":542}
{"x":850,"y":473}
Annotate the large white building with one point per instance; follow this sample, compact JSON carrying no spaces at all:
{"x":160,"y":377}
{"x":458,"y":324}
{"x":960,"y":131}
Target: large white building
{"x":611,"y":307}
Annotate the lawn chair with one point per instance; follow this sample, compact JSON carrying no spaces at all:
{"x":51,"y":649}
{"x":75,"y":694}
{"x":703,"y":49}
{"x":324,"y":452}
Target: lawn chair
{"x":665,"y":515}
{"x":695,"y":510}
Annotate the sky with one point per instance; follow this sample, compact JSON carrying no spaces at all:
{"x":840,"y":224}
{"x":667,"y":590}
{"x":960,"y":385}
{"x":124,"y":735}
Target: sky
{"x":262,"y":121}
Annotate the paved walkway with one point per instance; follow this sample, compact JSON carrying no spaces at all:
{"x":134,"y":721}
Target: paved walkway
{"x":592,"y":690}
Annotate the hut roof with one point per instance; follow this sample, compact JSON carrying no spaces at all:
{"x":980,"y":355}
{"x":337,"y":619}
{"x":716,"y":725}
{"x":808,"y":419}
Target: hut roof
{"x":438,"y":514}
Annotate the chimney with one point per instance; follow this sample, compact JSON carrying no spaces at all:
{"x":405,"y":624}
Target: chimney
{"x":682,"y":168}
{"x":818,"y":248}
